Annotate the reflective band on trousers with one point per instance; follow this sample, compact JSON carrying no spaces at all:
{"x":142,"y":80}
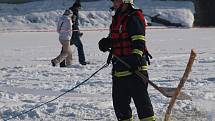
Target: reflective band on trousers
{"x":130,"y":119}
{"x":137,"y":51}
{"x":127,"y":73}
{"x":152,"y":118}
{"x":138,"y":37}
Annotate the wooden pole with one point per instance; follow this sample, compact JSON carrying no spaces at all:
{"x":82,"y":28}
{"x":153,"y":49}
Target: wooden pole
{"x":180,"y":85}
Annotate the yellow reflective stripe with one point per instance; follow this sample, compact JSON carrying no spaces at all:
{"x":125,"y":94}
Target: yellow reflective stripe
{"x":122,"y":73}
{"x":143,"y":68}
{"x":137,"y":51}
{"x":137,"y":37}
{"x":152,"y":118}
{"x":130,"y":119}
{"x":127,"y":73}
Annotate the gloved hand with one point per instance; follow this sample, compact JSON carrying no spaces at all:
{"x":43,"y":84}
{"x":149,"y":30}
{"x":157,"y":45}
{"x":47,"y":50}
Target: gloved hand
{"x":80,"y":34}
{"x":148,"y":56}
{"x":105,"y":44}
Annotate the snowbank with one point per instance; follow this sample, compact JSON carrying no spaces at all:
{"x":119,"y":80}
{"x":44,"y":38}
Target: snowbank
{"x":44,"y":14}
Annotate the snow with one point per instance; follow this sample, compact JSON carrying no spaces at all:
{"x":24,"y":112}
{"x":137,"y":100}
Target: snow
{"x":27,"y":78}
{"x":44,"y":14}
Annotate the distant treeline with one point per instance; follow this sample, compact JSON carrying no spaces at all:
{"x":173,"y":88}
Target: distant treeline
{"x":205,"y":12}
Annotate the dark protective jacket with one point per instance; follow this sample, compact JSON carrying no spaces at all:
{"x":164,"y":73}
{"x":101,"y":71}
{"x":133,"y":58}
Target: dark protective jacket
{"x":128,"y":39}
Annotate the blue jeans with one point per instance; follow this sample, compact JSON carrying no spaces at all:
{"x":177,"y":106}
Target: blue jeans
{"x":77,"y":42}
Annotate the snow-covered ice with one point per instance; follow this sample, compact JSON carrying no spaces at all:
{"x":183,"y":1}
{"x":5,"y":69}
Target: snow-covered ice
{"x":28,"y":79}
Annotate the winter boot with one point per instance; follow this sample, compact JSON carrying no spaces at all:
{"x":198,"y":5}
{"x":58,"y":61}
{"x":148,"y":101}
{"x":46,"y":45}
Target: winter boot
{"x":84,"y":63}
{"x":63,"y":63}
{"x":53,"y":64}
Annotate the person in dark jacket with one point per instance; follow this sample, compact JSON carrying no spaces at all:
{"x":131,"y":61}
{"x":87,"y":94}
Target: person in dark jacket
{"x":127,"y":41}
{"x":76,"y":34}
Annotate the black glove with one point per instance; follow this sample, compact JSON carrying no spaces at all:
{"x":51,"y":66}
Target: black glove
{"x":148,"y":56}
{"x":80,"y":34}
{"x":105,"y":44}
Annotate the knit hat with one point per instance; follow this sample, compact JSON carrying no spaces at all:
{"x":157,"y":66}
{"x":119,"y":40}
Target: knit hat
{"x":76,"y":4}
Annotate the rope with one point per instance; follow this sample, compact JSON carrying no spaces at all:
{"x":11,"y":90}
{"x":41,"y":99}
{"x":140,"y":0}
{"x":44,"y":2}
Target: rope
{"x":37,"y":106}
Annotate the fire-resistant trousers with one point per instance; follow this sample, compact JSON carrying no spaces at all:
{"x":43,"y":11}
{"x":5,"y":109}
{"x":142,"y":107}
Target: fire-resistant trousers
{"x":125,"y":88}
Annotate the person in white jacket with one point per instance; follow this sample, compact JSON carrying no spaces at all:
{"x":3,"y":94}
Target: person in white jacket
{"x":64,"y":28}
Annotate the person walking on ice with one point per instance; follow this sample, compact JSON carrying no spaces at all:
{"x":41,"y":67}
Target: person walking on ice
{"x":64,"y":28}
{"x":76,"y":34}
{"x":127,"y":41}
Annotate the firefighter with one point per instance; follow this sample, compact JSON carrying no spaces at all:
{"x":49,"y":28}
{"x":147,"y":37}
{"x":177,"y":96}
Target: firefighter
{"x":127,"y":41}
